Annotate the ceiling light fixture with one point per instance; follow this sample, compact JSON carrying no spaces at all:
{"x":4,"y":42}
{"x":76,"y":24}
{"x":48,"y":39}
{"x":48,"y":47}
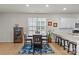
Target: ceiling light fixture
{"x":64,"y":8}
{"x":47,"y":5}
{"x":27,"y":5}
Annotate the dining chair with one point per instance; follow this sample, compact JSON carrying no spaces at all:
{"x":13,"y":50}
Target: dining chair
{"x":37,"y":43}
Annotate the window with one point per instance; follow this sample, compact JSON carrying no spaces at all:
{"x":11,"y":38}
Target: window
{"x":36,"y":25}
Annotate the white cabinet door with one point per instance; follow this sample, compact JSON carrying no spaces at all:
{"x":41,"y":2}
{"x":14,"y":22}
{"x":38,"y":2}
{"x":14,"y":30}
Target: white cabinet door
{"x":67,"y":23}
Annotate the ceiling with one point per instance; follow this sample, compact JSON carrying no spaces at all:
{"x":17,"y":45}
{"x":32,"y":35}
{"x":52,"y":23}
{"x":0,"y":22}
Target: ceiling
{"x":39,"y":8}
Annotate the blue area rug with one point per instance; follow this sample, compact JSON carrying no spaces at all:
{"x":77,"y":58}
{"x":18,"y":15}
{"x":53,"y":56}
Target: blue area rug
{"x":28,"y":50}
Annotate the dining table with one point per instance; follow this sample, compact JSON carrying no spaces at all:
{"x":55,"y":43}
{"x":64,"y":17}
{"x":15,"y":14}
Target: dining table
{"x":32,"y":40}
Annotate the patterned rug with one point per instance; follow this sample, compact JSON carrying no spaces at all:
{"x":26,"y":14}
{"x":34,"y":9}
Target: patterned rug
{"x":28,"y":50}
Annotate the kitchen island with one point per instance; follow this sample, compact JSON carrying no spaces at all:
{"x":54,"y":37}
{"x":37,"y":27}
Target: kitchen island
{"x":69,"y":41}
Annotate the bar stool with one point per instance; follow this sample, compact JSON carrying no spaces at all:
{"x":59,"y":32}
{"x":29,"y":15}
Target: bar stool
{"x":55,"y":39}
{"x":60,"y":41}
{"x":66,"y":42}
{"x":74,"y":46}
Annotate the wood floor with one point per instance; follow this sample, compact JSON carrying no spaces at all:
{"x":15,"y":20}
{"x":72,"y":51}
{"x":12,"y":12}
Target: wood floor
{"x":14,"y":48}
{"x":58,"y":50}
{"x":10,"y":48}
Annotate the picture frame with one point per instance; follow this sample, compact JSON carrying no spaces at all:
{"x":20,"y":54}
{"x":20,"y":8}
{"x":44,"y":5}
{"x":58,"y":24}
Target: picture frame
{"x":55,"y":25}
{"x":50,"y":23}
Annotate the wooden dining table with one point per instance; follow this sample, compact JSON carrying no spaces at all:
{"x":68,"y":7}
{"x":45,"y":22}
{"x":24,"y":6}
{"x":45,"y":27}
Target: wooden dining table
{"x":30,"y":38}
{"x":43,"y":39}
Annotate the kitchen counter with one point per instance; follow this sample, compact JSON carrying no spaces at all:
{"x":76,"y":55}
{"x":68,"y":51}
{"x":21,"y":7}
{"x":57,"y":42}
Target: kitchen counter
{"x":69,"y":36}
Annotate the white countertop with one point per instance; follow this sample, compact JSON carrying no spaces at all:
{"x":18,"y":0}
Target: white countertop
{"x":68,"y":36}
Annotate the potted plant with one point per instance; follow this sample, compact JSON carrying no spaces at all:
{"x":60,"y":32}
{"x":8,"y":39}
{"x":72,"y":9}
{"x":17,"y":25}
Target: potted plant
{"x":49,"y":37}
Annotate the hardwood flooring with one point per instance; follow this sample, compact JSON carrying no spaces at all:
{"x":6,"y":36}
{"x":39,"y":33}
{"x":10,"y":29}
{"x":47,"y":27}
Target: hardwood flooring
{"x":10,"y":48}
{"x":14,"y":48}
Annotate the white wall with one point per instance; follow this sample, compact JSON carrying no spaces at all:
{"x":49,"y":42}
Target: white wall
{"x":8,"y":21}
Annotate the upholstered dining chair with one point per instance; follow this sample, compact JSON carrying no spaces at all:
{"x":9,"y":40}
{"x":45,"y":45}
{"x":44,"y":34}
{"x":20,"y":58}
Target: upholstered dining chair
{"x":37,"y":43}
{"x":28,"y":39}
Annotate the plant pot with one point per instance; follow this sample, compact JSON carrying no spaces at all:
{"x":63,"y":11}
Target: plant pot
{"x":49,"y":40}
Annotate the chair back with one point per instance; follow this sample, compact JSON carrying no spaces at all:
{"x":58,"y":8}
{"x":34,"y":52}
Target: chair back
{"x":37,"y":41}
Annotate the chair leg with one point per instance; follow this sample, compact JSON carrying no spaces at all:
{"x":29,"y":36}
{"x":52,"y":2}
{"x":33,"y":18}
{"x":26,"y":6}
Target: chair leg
{"x":40,"y":51}
{"x":64,"y":44}
{"x":33,"y":50}
{"x":68,"y":47}
{"x":75,"y":49}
